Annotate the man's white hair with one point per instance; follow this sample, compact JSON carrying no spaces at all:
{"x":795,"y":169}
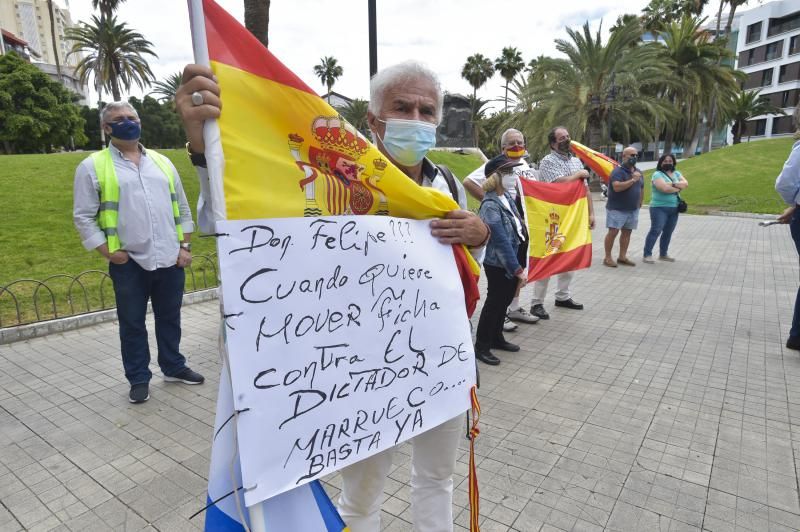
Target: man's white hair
{"x":401,"y":73}
{"x":113,"y":106}
{"x":506,"y":133}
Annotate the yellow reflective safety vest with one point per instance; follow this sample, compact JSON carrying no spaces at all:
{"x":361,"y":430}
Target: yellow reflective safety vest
{"x":108,"y":214}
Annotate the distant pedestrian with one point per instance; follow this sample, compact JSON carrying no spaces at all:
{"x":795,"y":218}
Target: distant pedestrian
{"x":788,"y":186}
{"x":505,"y":260}
{"x":129,"y":205}
{"x":667,"y":183}
{"x":625,"y":192}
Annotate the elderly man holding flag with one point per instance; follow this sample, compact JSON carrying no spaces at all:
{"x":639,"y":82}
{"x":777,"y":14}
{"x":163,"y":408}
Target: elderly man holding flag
{"x":405,"y":108}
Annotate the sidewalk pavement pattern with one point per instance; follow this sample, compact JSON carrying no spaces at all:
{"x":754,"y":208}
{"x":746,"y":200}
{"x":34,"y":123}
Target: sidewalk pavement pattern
{"x":668,"y":403}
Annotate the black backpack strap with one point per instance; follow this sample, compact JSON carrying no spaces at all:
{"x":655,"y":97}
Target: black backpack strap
{"x":451,"y":180}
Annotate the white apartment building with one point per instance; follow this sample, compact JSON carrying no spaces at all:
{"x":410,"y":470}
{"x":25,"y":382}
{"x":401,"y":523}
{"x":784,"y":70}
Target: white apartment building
{"x":768,"y":49}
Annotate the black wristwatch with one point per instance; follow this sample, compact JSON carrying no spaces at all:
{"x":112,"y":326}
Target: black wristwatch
{"x":187,"y":246}
{"x":198,"y":159}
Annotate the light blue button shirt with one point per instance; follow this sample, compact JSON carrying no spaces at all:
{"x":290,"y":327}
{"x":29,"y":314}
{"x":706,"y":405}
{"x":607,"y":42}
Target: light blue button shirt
{"x":146,"y":225}
{"x":788,"y":182}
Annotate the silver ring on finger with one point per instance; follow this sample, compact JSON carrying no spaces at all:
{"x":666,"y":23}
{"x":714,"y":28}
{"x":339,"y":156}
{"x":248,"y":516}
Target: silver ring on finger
{"x":197,"y":98}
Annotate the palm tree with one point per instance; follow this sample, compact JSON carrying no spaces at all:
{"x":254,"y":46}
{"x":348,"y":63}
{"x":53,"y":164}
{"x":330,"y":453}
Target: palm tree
{"x":113,"y":55}
{"x":581,"y":91}
{"x":328,"y":71}
{"x":256,"y":19}
{"x":477,"y":71}
{"x":660,"y":13}
{"x":166,"y":88}
{"x":53,"y":37}
{"x":723,"y":38}
{"x":744,"y":106}
{"x":509,"y":64}
{"x":627,"y":21}
{"x":697,"y":76}
{"x":106,"y":7}
{"x":355,"y":112}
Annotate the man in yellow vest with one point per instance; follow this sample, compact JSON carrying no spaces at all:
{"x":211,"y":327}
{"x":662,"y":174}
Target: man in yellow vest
{"x":129,"y":205}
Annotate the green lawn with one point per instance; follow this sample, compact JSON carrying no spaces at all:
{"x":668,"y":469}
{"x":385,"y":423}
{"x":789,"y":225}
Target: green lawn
{"x":38,"y":239}
{"x":737,"y":178}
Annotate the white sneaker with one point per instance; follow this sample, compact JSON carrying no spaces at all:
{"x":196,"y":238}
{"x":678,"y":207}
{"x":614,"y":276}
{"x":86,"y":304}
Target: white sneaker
{"x":522,"y":315}
{"x":509,"y":326}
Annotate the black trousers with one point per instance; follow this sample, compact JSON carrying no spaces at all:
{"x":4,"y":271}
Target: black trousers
{"x":499,"y":294}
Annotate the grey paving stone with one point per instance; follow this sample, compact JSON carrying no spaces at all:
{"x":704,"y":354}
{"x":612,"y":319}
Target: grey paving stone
{"x":668,"y":403}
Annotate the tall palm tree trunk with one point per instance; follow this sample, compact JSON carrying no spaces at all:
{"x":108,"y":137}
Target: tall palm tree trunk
{"x":256,"y":19}
{"x":115,"y":92}
{"x":657,"y":140}
{"x":506,"y":109}
{"x":53,"y":37}
{"x":693,"y":144}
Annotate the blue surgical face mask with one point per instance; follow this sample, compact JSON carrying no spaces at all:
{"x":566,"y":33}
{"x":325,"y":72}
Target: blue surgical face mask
{"x":126,"y":129}
{"x":407,"y":141}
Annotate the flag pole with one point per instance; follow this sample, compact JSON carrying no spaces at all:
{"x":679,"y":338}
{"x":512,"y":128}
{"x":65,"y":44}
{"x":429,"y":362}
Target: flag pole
{"x":215,"y":163}
{"x":211,"y":134}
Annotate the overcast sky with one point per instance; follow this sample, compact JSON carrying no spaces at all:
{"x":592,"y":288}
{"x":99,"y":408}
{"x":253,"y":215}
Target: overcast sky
{"x":441,"y":33}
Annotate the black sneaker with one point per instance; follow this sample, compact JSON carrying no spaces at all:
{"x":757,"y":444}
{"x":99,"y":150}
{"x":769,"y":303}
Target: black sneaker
{"x":793,"y":343}
{"x":540,"y":312}
{"x":186,"y":376}
{"x":139,"y":393}
{"x":569,"y":303}
{"x":487,"y":357}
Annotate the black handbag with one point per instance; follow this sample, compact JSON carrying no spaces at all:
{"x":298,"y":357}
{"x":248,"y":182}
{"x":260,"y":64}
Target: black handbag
{"x":682,"y":206}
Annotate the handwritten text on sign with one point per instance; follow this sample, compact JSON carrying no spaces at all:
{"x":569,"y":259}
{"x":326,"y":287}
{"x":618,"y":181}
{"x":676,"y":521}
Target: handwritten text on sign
{"x":346,"y":335}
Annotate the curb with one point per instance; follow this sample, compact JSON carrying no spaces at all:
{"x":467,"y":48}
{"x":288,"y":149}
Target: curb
{"x":43,"y":328}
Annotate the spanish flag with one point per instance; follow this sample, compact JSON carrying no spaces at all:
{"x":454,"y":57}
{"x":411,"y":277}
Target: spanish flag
{"x":558,"y":225}
{"x":288,"y":153}
{"x":602,"y":165}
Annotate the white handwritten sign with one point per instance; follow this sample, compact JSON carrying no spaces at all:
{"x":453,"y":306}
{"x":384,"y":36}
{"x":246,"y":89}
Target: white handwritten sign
{"x":346,"y":336}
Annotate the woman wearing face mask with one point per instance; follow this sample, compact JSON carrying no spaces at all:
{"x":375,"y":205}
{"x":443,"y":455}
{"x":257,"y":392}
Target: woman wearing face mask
{"x":667,"y":183}
{"x":506,"y":254}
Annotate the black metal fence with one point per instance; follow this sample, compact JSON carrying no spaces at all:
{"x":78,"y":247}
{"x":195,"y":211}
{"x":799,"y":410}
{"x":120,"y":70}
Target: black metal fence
{"x":30,"y":300}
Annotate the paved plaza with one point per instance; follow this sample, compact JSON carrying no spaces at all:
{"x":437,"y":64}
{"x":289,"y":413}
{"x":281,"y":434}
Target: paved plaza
{"x":669,"y":403}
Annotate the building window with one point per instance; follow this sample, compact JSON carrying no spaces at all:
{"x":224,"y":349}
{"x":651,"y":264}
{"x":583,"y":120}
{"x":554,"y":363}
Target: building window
{"x":794,"y":45}
{"x":766,"y":77}
{"x":782,"y":74}
{"x":785,"y":99}
{"x":756,"y":128}
{"x":753,"y":32}
{"x":751,"y":54}
{"x":773,"y":50}
{"x":783,"y":24}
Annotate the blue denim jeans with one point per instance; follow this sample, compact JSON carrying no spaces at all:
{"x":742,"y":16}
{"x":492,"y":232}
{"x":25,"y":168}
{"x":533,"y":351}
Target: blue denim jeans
{"x":133,"y":286}
{"x":794,"y":227}
{"x":662,"y":223}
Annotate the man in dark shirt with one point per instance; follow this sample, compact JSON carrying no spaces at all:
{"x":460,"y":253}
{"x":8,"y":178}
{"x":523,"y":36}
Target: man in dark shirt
{"x":622,"y":209}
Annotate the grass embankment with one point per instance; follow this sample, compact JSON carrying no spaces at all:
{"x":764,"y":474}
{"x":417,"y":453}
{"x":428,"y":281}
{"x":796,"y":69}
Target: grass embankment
{"x":738,"y":178}
{"x":38,"y":239}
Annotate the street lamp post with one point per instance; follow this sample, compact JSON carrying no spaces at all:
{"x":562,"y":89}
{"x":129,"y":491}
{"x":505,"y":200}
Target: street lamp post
{"x":373,"y":38}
